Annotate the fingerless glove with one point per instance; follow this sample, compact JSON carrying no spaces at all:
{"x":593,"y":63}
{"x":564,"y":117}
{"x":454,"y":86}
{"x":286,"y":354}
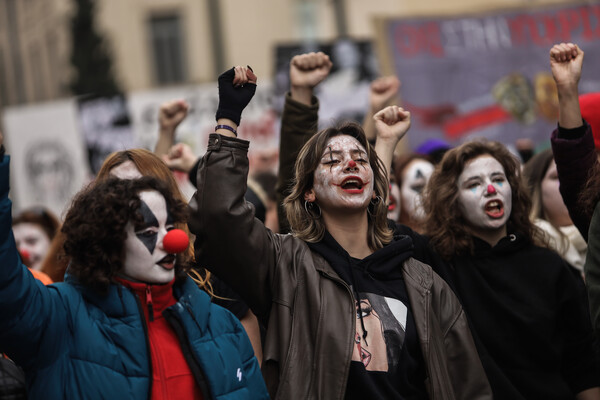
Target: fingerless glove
{"x":233,"y":100}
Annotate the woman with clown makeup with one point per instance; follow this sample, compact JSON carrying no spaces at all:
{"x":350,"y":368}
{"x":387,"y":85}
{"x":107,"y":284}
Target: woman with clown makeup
{"x":527,"y":308}
{"x":412,"y":171}
{"x":127,"y":322}
{"x":349,"y":312}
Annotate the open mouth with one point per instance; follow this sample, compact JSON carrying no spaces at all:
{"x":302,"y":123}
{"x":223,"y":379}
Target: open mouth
{"x":494,"y":209}
{"x":352,"y":184}
{"x":167,"y":262}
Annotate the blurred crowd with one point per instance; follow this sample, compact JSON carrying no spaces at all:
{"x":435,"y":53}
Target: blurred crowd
{"x":359,"y":270}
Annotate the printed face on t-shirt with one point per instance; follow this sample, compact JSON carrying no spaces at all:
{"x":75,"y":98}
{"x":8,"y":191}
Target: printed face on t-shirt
{"x":33,"y":241}
{"x":485,"y":196}
{"x":414,"y":179}
{"x":145,"y":258}
{"x":384,"y":320}
{"x":344,"y":178}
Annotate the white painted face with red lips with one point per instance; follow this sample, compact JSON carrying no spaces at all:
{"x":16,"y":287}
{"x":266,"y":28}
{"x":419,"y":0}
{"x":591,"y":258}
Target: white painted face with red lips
{"x":485,"y":196}
{"x":145,"y":257}
{"x":344,"y":177}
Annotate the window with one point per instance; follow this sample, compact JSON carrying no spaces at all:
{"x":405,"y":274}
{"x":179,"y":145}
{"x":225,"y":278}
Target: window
{"x":167,"y":46}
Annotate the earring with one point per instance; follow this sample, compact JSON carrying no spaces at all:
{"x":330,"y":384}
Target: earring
{"x":374,"y":203}
{"x":376,"y":200}
{"x":311,"y":205}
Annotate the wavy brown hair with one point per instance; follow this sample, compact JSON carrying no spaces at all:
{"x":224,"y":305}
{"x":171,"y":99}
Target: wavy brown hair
{"x":445,"y":225}
{"x":310,"y":227}
{"x":94,"y":228}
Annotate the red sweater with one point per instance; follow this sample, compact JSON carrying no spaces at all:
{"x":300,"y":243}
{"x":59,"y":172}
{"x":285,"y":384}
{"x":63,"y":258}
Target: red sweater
{"x":171,"y":375}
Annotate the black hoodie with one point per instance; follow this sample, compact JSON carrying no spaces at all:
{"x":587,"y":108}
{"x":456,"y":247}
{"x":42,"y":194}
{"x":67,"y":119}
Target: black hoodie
{"x":386,"y":341}
{"x":529,"y":317}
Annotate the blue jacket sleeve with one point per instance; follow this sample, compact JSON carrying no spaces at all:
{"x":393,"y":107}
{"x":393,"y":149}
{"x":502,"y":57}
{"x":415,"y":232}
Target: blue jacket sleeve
{"x":26,"y":307}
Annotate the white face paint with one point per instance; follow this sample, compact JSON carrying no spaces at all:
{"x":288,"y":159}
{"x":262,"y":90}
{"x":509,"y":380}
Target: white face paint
{"x":552,"y":201}
{"x":414,"y":178}
{"x":32,"y":240}
{"x":126,"y":170}
{"x":145,"y":258}
{"x":485,"y":197}
{"x":344,"y":178}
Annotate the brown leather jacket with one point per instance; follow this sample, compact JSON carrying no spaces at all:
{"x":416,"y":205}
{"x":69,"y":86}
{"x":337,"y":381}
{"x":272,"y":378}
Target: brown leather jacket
{"x":307,"y":308}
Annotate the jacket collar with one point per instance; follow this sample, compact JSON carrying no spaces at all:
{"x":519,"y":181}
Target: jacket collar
{"x":119,"y":302}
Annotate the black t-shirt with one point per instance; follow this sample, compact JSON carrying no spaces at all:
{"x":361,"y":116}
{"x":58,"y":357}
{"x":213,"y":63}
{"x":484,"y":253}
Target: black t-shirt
{"x":387,"y":362}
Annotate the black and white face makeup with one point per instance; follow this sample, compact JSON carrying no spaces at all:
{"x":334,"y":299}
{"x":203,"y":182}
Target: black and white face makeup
{"x":414,"y":179}
{"x":145,"y":258}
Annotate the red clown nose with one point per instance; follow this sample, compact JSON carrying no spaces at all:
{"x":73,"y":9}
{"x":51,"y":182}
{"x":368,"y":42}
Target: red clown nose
{"x":24,"y":256}
{"x":176,"y":241}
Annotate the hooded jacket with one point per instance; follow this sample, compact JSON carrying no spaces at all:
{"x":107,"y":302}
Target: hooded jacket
{"x":307,"y":308}
{"x":74,"y":343}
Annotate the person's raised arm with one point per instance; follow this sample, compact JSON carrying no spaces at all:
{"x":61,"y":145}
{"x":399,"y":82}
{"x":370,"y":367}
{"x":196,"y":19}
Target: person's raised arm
{"x":572,"y":141}
{"x":299,"y":120}
{"x":230,"y":241}
{"x":29,"y":315}
{"x":566,"y":61}
{"x":383,"y":92}
{"x":306,"y":72}
{"x":233,"y":100}
{"x":180,"y":157}
{"x":170,"y":115}
{"x":391,"y":125}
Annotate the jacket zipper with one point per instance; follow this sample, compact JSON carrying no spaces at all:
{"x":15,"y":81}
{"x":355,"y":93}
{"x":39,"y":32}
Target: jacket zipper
{"x":188,"y":353}
{"x":149,"y":303}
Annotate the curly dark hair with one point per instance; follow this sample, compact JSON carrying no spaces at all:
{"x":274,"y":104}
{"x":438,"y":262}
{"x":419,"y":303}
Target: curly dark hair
{"x":94,"y":228}
{"x":445,"y":224}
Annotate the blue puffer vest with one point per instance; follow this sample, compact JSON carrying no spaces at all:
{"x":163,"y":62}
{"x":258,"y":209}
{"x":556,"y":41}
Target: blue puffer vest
{"x":77,"y":344}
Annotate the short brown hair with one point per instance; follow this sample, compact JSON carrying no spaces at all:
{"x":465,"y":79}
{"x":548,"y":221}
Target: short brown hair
{"x":40,"y":216}
{"x":311,"y":228}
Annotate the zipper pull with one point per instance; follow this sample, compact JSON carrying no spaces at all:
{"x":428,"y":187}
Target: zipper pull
{"x":149,"y":303}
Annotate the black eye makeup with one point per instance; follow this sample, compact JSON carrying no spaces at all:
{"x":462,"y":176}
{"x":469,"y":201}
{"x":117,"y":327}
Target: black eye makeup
{"x":148,"y":232}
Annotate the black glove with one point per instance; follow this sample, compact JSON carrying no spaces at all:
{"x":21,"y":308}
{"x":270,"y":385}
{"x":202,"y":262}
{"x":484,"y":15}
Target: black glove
{"x":233,"y":100}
